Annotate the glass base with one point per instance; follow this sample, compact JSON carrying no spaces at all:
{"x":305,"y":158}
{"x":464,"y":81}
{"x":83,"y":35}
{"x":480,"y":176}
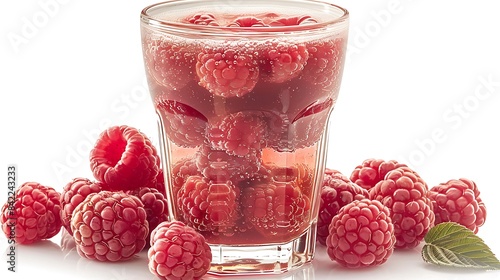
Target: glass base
{"x":264,"y":259}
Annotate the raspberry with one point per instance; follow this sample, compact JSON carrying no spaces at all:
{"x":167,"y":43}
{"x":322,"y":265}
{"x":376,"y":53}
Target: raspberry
{"x":203,"y":19}
{"x":372,"y":171}
{"x":325,"y":63}
{"x":305,"y":130}
{"x":275,"y":209}
{"x":247,"y":22}
{"x":109,"y":226}
{"x":208,"y":206}
{"x":181,"y":170}
{"x":169,"y":64}
{"x":184,"y":125}
{"x":73,"y":194}
{"x":227,"y":72}
{"x":123,"y":158}
{"x":35,"y":213}
{"x":155,"y":204}
{"x":178,"y":252}
{"x":336,"y":192}
{"x":218,"y":165}
{"x":458,"y":201}
{"x":404,"y":192}
{"x":238,"y":134}
{"x":160,"y":182}
{"x":281,"y":61}
{"x":290,"y":21}
{"x":361,"y":234}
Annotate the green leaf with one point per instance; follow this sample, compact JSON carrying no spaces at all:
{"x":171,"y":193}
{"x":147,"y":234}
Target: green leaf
{"x":451,"y":244}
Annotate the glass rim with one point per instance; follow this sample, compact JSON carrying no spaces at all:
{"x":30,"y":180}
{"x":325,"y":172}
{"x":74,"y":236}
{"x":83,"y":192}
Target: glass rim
{"x":151,"y":20}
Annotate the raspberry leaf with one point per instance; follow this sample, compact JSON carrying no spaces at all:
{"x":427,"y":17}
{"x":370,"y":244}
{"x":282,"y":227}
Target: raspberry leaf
{"x":451,"y":244}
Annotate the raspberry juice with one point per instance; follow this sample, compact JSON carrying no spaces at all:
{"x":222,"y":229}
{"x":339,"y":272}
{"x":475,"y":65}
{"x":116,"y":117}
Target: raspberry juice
{"x":243,"y":101}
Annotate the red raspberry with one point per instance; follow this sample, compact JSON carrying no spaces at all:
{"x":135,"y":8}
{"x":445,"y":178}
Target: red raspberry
{"x":458,"y":201}
{"x":203,"y":19}
{"x":227,"y":72}
{"x":361,"y":234}
{"x":290,"y":21}
{"x":123,"y":158}
{"x":325,"y":64}
{"x":337,"y":191}
{"x":218,"y":165}
{"x":238,"y":134}
{"x":247,"y":22}
{"x":405,"y":193}
{"x":372,"y":171}
{"x":32,"y":215}
{"x":275,"y":209}
{"x":178,"y":252}
{"x":208,"y":206}
{"x":281,"y":61}
{"x":73,"y":194}
{"x":155,"y":204}
{"x":181,"y":170}
{"x":170,"y":64}
{"x":184,"y":125}
{"x":109,"y":226}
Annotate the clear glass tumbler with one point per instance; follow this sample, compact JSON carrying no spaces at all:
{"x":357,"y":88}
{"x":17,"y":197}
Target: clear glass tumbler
{"x":243,"y":91}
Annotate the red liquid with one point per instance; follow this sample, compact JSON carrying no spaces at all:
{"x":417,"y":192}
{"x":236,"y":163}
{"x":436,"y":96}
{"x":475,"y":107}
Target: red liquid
{"x":242,"y":157}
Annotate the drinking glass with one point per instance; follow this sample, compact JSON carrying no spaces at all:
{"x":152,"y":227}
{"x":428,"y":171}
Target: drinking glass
{"x":243,"y":91}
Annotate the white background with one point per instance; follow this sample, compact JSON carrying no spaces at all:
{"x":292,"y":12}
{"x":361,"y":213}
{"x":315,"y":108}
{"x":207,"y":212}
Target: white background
{"x":421,"y":85}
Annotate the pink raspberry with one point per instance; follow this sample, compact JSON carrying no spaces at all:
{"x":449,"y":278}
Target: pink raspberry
{"x":218,"y":165}
{"x":181,"y":170}
{"x":238,"y":134}
{"x":203,"y":19}
{"x":155,"y":204}
{"x":291,"y":21}
{"x":371,"y":171}
{"x":178,"y":252}
{"x":110,"y":226}
{"x":184,"y":125}
{"x":73,"y":194}
{"x":170,"y":64}
{"x":247,"y":22}
{"x":281,"y":61}
{"x":33,"y":214}
{"x":404,"y":192}
{"x":124,"y":158}
{"x":361,"y":234}
{"x":276,"y":210}
{"x":227,"y":72}
{"x":337,"y":191}
{"x":458,"y":201}
{"x":208,"y":206}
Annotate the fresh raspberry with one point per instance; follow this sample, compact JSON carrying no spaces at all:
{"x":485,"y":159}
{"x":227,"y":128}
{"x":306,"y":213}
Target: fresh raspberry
{"x":184,"y":125}
{"x":208,"y":206}
{"x":218,"y":165}
{"x":291,"y":21}
{"x":155,"y":204}
{"x":326,"y":60}
{"x":73,"y":194}
{"x":305,"y":130}
{"x":124,"y":158}
{"x":203,"y":19}
{"x":281,"y":61}
{"x":361,"y":234}
{"x":371,"y":171}
{"x":458,"y":201}
{"x":169,"y":63}
{"x":181,"y":170}
{"x":247,"y":22}
{"x":227,"y":72}
{"x":337,"y":191}
{"x":109,"y":226}
{"x":178,"y":252}
{"x":33,"y":215}
{"x":404,"y":192}
{"x":238,"y":134}
{"x":275,"y":209}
